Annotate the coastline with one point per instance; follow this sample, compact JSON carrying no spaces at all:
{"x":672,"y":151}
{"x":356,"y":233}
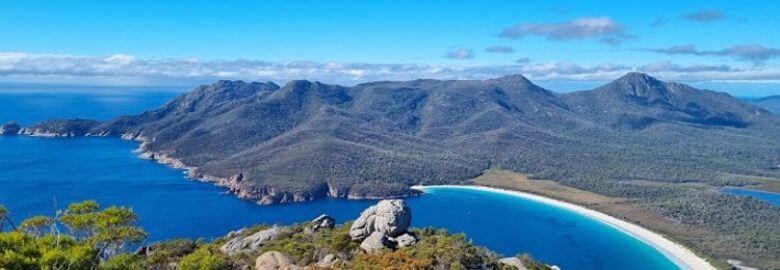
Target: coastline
{"x":680,"y":255}
{"x":236,"y":185}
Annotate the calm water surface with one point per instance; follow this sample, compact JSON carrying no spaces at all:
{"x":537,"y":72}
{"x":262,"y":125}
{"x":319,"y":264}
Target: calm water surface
{"x":770,"y":197}
{"x":39,"y":175}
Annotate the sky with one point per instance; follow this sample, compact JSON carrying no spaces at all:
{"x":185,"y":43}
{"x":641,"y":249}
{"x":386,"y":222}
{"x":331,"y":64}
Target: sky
{"x":185,"y":42}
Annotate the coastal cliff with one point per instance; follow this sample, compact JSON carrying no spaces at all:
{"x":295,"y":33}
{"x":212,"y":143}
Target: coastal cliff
{"x":237,"y":185}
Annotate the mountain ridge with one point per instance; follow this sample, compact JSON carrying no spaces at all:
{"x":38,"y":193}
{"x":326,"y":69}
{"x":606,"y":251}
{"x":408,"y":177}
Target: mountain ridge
{"x":264,"y":140}
{"x":665,"y":148}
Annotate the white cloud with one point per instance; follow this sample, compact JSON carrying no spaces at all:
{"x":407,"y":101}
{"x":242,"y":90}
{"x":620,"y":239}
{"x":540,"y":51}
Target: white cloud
{"x":603,"y":28}
{"x":460,"y":53}
{"x":500,"y":49}
{"x":126,"y":69}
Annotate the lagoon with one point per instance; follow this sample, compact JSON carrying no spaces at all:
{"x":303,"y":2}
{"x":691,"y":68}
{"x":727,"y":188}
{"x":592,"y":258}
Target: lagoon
{"x":770,"y":197}
{"x":38,"y":175}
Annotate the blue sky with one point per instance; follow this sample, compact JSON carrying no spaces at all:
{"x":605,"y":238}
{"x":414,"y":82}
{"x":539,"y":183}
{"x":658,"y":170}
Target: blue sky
{"x":147,"y":42}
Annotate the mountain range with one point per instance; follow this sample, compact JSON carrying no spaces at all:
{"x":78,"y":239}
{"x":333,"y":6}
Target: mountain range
{"x":660,"y":148}
{"x":307,"y":140}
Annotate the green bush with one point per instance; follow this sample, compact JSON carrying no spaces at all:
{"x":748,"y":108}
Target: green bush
{"x":123,"y":261}
{"x":203,"y":259}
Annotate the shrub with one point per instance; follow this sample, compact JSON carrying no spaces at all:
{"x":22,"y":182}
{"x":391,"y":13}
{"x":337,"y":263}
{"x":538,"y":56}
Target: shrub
{"x":203,"y":259}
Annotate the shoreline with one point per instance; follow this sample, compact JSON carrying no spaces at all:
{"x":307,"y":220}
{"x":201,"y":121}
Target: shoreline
{"x":680,"y":255}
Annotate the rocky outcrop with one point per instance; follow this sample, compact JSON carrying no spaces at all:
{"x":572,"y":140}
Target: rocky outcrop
{"x":10,"y":128}
{"x":514,"y":262}
{"x":406,"y":240}
{"x":323,"y":222}
{"x":60,"y":128}
{"x":389,"y":217}
{"x":274,"y":260}
{"x":253,"y":242}
{"x":383,"y":225}
{"x":376,"y":242}
{"x":328,"y":261}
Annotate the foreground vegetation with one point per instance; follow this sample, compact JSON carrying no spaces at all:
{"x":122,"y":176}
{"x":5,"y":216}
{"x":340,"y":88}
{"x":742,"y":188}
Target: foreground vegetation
{"x":84,"y":236}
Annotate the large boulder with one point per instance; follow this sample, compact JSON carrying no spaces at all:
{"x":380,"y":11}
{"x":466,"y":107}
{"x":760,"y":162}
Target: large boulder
{"x":406,"y":240}
{"x":376,"y":242}
{"x":328,"y":261}
{"x":324,"y":222}
{"x":274,"y":260}
{"x":388,"y":217}
{"x":240,"y":244}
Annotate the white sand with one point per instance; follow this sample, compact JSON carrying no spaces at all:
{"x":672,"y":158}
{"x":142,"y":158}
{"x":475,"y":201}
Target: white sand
{"x":682,"y":256}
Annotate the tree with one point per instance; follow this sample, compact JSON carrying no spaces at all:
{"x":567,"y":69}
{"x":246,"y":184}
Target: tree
{"x":95,"y":236}
{"x":5,"y":218}
{"x":37,"y":225}
{"x":108,"y":230}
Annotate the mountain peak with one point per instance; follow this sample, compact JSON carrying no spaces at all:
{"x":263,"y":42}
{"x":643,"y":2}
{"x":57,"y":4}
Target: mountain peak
{"x":639,"y":87}
{"x":638,"y":78}
{"x":513,"y":78}
{"x":228,"y":84}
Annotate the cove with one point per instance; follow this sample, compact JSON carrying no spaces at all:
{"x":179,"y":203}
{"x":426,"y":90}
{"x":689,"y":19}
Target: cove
{"x":38,"y":175}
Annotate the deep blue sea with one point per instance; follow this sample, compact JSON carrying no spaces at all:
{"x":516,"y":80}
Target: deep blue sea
{"x":39,"y":175}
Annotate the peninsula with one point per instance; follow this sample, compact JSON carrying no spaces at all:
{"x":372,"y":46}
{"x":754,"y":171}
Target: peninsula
{"x":659,"y":147}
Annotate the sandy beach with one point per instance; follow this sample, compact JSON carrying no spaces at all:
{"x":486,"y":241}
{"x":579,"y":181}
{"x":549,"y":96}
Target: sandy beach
{"x":682,"y":256}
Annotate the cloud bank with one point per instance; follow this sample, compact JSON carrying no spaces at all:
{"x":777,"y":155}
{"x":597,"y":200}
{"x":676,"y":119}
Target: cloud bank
{"x":745,"y":52}
{"x":129,"y":70}
{"x":602,"y":28}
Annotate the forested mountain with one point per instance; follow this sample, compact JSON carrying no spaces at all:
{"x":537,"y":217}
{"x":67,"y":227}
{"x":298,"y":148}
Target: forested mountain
{"x":659,"y":146}
{"x":308,"y":139}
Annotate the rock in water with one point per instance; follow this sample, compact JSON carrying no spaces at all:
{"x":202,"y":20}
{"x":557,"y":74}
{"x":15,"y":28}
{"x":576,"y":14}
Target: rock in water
{"x":376,"y":242}
{"x":389,"y":217}
{"x":249,"y":243}
{"x":274,"y":260}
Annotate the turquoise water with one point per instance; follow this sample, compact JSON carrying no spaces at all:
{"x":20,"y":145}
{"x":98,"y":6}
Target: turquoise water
{"x":38,"y":175}
{"x":770,"y":197}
